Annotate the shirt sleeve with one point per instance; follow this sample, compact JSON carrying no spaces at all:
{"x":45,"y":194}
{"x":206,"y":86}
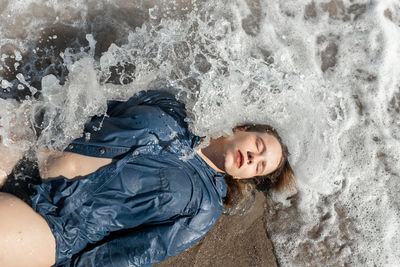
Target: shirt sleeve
{"x":145,"y":117}
{"x":146,"y":246}
{"x":165,"y":101}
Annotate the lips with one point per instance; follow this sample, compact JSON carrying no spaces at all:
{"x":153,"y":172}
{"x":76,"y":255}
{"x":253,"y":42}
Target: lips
{"x":239,"y":159}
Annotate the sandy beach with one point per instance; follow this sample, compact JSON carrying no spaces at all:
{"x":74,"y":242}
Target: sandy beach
{"x":323,"y":73}
{"x":233,"y":241}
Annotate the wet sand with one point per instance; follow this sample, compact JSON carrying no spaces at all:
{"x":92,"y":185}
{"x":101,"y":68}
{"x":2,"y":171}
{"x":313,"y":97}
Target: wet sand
{"x":233,"y":241}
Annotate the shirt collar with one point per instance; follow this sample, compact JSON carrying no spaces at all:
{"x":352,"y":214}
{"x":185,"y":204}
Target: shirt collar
{"x":217,"y":178}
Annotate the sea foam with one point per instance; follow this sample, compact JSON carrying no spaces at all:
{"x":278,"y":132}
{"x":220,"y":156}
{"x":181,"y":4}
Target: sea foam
{"x":324,"y":73}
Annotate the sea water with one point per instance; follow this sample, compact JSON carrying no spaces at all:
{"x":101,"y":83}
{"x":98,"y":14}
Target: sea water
{"x":325,"y":74}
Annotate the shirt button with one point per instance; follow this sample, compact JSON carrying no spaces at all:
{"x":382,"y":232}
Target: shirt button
{"x":71,"y":146}
{"x":136,"y":153}
{"x":102,"y":151}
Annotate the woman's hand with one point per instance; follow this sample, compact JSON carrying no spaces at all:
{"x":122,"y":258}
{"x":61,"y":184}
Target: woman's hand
{"x":9,"y":156}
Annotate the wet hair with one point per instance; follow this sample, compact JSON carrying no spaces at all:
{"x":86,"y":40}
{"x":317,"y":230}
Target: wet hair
{"x":240,"y":191}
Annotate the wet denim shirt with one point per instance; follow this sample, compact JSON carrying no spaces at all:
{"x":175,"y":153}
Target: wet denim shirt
{"x":153,"y":201}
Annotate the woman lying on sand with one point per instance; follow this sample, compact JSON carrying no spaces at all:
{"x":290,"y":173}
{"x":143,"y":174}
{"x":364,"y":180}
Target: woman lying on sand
{"x":135,"y":193}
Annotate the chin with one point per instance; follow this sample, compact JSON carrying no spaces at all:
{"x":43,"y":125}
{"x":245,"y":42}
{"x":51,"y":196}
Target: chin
{"x":232,"y":171}
{"x":228,"y":164}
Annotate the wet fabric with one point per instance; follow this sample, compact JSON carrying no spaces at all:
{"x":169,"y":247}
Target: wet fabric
{"x":153,"y":201}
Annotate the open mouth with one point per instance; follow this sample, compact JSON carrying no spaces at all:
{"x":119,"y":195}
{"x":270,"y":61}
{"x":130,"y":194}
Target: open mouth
{"x":239,"y":159}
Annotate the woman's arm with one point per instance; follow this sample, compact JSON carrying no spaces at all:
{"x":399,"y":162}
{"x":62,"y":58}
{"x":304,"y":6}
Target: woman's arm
{"x":68,"y":165}
{"x":136,"y":122}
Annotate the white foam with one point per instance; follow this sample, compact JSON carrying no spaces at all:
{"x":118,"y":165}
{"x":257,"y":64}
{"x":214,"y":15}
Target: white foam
{"x":240,"y":61}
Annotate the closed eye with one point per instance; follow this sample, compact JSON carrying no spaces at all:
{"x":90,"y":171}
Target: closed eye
{"x":261,"y":148}
{"x":261,"y":167}
{"x":260,"y":145}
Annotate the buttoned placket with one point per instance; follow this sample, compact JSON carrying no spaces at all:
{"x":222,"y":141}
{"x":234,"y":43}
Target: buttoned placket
{"x":96,"y":150}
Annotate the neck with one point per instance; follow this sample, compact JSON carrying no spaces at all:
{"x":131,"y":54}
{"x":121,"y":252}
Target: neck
{"x":213,"y":154}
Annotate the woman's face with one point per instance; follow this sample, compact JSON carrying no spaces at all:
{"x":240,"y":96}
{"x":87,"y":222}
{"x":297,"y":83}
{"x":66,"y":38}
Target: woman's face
{"x":249,"y":154}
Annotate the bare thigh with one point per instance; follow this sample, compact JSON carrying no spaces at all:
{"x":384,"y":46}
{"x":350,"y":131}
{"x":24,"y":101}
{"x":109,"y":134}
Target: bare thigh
{"x":25,"y":237}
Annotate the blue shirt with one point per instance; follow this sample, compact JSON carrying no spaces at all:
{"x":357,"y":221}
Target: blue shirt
{"x":148,"y":204}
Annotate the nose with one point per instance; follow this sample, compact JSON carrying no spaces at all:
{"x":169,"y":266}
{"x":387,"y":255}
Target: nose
{"x":252,"y":157}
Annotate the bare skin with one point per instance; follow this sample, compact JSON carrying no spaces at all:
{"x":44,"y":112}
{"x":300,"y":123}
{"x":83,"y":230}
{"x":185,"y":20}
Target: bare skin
{"x":244,"y":154}
{"x":68,"y":165}
{"x":25,"y":237}
{"x":9,"y":157}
